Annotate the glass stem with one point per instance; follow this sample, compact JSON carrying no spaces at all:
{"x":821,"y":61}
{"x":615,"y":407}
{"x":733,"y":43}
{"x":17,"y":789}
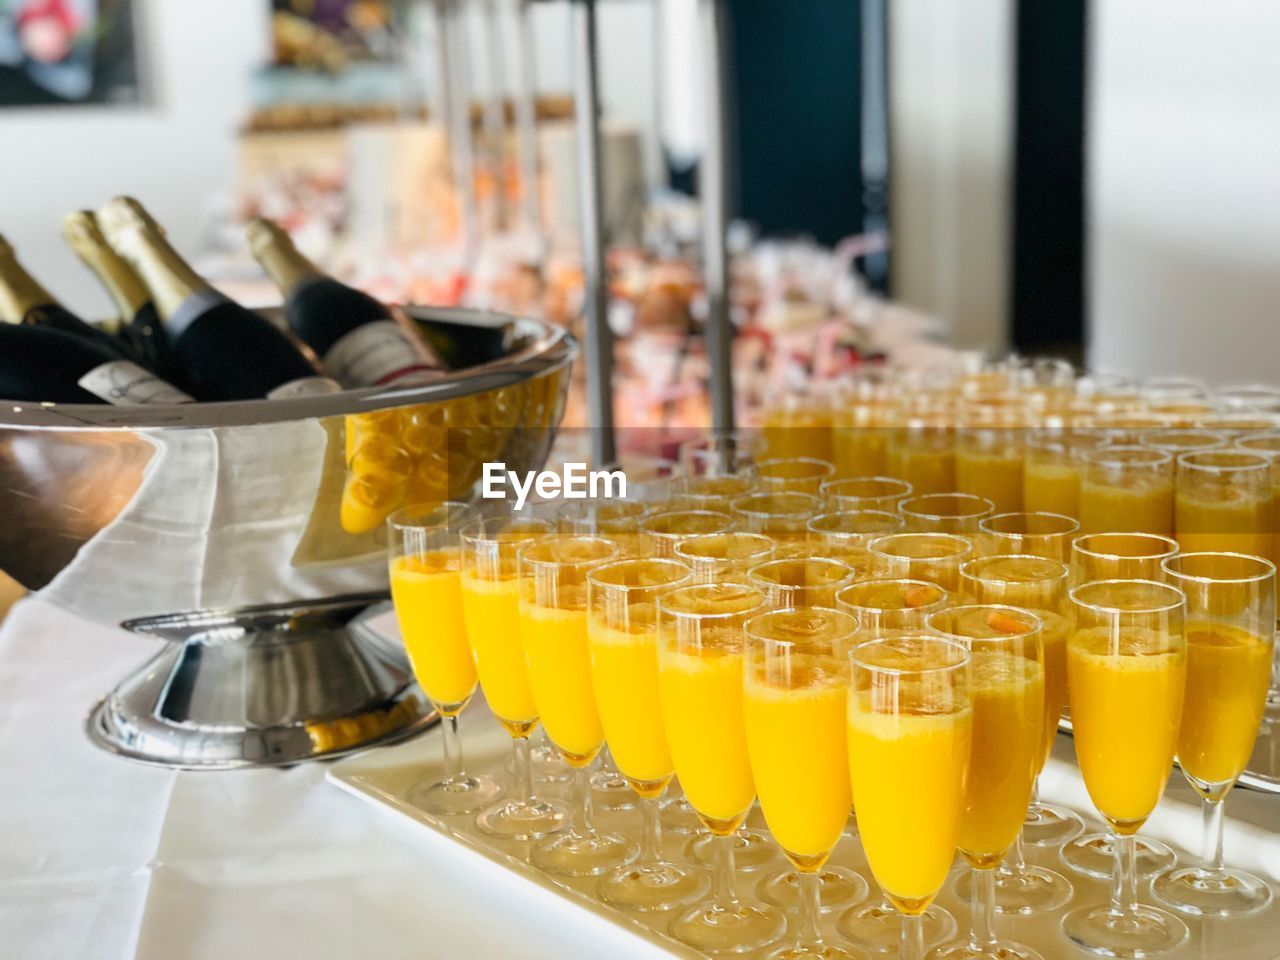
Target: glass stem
{"x":911,"y":946}
{"x":651,"y":836}
{"x":982,"y":908}
{"x":725,"y":872}
{"x":1018,"y":856}
{"x":452,"y":748}
{"x":1124,"y":882}
{"x":1212,"y":836}
{"x":523,"y":771}
{"x":809,"y":905}
{"x":583,"y":814}
{"x":1033,"y":808}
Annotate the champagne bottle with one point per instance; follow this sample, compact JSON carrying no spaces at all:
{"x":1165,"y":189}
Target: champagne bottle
{"x":356,"y":337}
{"x":42,"y":364}
{"x":24,"y":300}
{"x":227,"y":351}
{"x":140,"y":326}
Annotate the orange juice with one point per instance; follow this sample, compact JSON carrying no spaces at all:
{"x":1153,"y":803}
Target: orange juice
{"x":714,"y":493}
{"x":1228,"y":672}
{"x":559,"y":661}
{"x":1127,"y":489}
{"x":722,"y":556}
{"x":923,"y":455}
{"x":1126,"y":708}
{"x":935,"y":557}
{"x":909,"y":834}
{"x":1007,"y":692}
{"x":701,"y":694}
{"x":1050,"y":487}
{"x":796,"y":739}
{"x":427,"y":593}
{"x":1232,"y":521}
{"x":859,"y":441}
{"x":993,"y":472}
{"x":798,"y":429}
{"x":490,"y":607}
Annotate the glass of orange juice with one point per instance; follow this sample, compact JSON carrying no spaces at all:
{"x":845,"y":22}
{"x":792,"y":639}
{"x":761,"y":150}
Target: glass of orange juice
{"x":783,"y":517}
{"x":1180,"y":440}
{"x":793,"y":475}
{"x":886,"y":609}
{"x":921,"y":451}
{"x":1046,"y":535}
{"x":800,"y":581}
{"x":795,"y":683}
{"x":1127,"y":672}
{"x":426,"y":588}
{"x":860,"y":414}
{"x":1239,"y":423}
{"x":490,"y":605}
{"x":1038,"y":585}
{"x":1053,"y":471}
{"x":622,"y":633}
{"x":553,"y":629}
{"x":1119,"y":556}
{"x":1006,"y":692}
{"x":661,"y":532}
{"x":714,"y":557}
{"x":618,"y":520}
{"x":797,"y":426}
{"x":1230,"y":637}
{"x":714,"y":492}
{"x":990,"y":449}
{"x":935,"y":557}
{"x":1224,"y":502}
{"x":845,"y":536}
{"x":700,"y":681}
{"x":1127,"y":488}
{"x":945,"y":513}
{"x":865,"y":493}
{"x":909,"y":732}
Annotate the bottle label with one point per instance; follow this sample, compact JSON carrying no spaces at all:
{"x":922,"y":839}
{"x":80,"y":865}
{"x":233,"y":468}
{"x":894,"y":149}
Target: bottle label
{"x":374,"y":354}
{"x":123,"y":382}
{"x":305,"y":387}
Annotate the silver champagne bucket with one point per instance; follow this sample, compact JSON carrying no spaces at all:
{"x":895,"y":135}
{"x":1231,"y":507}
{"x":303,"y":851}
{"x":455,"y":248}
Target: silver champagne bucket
{"x":250,"y":537}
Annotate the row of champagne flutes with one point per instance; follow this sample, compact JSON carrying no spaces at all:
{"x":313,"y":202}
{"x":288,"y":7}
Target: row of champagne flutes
{"x":756,"y":657}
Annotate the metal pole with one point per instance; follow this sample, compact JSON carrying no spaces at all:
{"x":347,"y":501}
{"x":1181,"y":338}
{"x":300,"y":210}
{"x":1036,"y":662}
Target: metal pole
{"x":495,"y":119}
{"x":462,"y":153}
{"x":599,"y":347}
{"x":526,"y":107}
{"x":714,"y":189}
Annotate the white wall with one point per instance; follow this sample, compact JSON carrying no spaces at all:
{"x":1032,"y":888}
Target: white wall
{"x":173,"y":152}
{"x":950,"y":117}
{"x":1183,"y":157}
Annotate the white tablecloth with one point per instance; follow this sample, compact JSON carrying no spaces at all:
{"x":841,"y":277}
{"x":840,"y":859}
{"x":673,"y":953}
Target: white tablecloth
{"x":104,"y":858}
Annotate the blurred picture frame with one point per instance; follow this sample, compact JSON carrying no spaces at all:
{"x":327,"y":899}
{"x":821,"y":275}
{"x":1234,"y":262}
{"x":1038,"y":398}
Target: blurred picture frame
{"x":69,"y":52}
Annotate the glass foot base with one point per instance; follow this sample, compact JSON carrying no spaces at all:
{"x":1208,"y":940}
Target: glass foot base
{"x":751,"y":850}
{"x":1091,"y":856}
{"x":839,"y":888}
{"x":1141,"y":932}
{"x":610,"y":792}
{"x":652,"y":886}
{"x":973,"y":951}
{"x":736,"y":928}
{"x":459,"y":795}
{"x":1208,"y":893}
{"x":1022,"y":892}
{"x":679,"y":817}
{"x":548,"y":765}
{"x":582,"y":855}
{"x":799,"y":950}
{"x":524,"y":820}
{"x":877,"y":927}
{"x":1048,"y":825}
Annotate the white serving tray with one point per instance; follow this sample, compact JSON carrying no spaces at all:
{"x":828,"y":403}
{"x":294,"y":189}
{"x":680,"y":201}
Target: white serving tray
{"x":384,"y":775}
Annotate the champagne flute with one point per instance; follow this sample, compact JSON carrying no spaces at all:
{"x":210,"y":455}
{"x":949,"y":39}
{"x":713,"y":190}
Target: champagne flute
{"x":663,"y":531}
{"x":1224,"y":502}
{"x":910,"y":727}
{"x":1127,"y":672}
{"x":426,"y":590}
{"x":945,"y":513}
{"x":1040,"y":534}
{"x":714,"y":492}
{"x":1118,"y":556}
{"x":490,"y":605}
{"x":1006,"y":691}
{"x":1127,"y":488}
{"x":715,"y":557}
{"x":935,"y":557}
{"x":700,"y":681}
{"x":801,"y":581}
{"x":553,"y":629}
{"x":891,"y":608}
{"x":1230,"y":634}
{"x":845,"y":534}
{"x":622,"y":636}
{"x":865,"y":493}
{"x":795,"y":684}
{"x":1037,"y":584}
{"x":794,"y":475}
{"x":783,"y":517}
